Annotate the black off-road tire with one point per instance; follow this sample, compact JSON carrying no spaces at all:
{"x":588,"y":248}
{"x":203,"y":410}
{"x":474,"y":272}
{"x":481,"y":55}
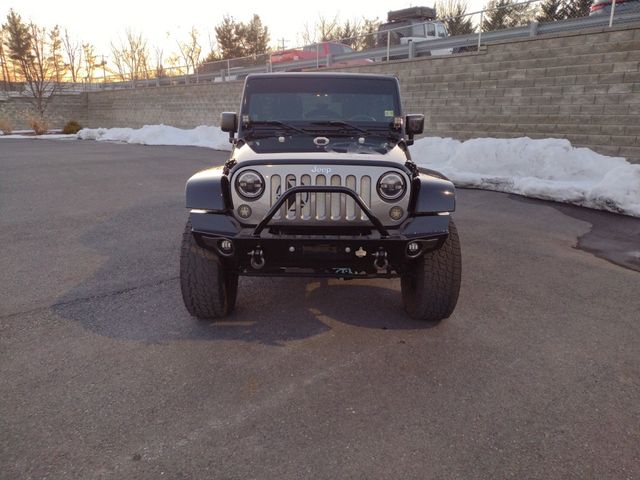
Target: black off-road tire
{"x":208,"y":289}
{"x":430,"y":291}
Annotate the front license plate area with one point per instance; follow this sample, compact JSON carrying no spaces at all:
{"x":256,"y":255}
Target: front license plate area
{"x":319,"y":249}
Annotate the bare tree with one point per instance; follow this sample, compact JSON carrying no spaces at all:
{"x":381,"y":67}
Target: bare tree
{"x":160,"y":71}
{"x":309,"y":34}
{"x":42,"y":75}
{"x":131,"y":57}
{"x":118,"y":60}
{"x":191,"y":50}
{"x":90,"y":61}
{"x":56,"y":58}
{"x":328,"y":28}
{"x":175,"y":64}
{"x":359,"y":34}
{"x":73,"y":55}
{"x":212,"y":44}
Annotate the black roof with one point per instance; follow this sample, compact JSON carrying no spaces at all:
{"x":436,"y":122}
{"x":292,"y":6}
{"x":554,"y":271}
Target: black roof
{"x":321,"y":74}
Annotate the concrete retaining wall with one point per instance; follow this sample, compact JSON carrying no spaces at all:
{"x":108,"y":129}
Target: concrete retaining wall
{"x":182,"y":106}
{"x":62,"y":108}
{"x":583,"y":86}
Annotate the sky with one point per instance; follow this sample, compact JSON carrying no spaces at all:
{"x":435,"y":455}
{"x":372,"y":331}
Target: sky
{"x":165,"y":23}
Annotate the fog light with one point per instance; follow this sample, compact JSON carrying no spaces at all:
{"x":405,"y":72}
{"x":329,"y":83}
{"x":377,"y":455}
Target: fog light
{"x":413,"y":248}
{"x":396,"y":213}
{"x":226,"y":246}
{"x":244,"y":211}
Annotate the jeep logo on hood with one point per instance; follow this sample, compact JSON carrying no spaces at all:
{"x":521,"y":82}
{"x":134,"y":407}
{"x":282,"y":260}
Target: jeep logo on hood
{"x":325,"y":170}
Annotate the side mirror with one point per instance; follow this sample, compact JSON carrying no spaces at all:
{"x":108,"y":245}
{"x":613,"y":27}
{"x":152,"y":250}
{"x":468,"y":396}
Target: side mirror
{"x":229,"y":123}
{"x":415,"y":124}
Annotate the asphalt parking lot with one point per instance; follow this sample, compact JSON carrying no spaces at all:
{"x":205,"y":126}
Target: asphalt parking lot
{"x":103,"y":374}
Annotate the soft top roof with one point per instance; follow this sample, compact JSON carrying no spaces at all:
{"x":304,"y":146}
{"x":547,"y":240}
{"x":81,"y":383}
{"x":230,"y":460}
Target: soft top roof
{"x":321,"y":74}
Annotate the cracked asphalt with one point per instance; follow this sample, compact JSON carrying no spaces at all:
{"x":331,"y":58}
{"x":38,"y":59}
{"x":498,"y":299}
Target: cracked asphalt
{"x":103,"y":374}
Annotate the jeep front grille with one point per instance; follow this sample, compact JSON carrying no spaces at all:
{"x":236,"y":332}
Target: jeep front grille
{"x":335,"y":209}
{"x":320,"y":206}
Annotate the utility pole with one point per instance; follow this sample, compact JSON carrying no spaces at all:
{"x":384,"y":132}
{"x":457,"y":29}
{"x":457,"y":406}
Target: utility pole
{"x":104,"y":71}
{"x":282,"y":44}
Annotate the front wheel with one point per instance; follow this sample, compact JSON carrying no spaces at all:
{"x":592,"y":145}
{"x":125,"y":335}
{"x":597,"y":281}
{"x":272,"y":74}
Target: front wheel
{"x":430,"y":290}
{"x":208,"y":289}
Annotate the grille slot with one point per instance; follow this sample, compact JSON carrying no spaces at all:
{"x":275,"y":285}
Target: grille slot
{"x":321,"y":206}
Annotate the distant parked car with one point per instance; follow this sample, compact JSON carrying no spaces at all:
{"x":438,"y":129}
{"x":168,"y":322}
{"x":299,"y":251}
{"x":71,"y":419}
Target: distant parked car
{"x":415,"y":24}
{"x":318,"y":51}
{"x":603,"y":7}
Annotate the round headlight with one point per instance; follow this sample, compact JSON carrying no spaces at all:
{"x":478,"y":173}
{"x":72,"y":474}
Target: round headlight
{"x":391,"y":186}
{"x":250,"y":184}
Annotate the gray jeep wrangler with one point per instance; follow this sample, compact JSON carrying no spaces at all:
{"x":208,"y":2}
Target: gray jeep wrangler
{"x":321,"y":183}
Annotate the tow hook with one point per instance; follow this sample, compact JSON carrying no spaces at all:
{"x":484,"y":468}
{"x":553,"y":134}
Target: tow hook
{"x":380,"y":262}
{"x":257,"y":258}
{"x":361,"y":253}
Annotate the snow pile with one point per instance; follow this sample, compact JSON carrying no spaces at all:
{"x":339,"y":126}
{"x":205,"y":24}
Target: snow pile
{"x":549,"y":169}
{"x":202,"y":136}
{"x":32,"y":136}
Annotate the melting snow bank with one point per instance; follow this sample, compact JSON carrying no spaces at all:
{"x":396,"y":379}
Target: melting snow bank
{"x":202,"y":136}
{"x":549,"y":169}
{"x":44,"y":136}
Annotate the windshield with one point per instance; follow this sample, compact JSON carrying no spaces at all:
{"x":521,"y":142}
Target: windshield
{"x":310,"y":101}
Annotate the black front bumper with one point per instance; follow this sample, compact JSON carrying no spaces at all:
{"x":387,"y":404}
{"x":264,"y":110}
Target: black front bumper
{"x":348,"y":253}
{"x":345,"y":252}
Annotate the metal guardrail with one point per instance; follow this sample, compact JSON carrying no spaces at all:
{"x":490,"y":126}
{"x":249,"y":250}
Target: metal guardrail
{"x":417,"y":49}
{"x":388,"y":52}
{"x":412,"y":50}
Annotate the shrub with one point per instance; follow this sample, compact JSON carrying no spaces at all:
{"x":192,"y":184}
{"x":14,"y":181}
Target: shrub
{"x":38,"y":125}
{"x":5,"y":126}
{"x":71,"y":127}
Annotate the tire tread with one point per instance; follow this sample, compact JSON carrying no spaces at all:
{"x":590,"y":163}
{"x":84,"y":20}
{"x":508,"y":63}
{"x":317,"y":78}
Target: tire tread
{"x":208,"y":291}
{"x":431,"y":293}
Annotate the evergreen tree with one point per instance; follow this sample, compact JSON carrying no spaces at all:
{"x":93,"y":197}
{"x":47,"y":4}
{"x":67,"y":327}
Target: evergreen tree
{"x":229,"y":36}
{"x":577,"y":8}
{"x":348,"y":32}
{"x":29,"y":49}
{"x":18,"y":42}
{"x":236,"y":39}
{"x":4,"y":59}
{"x":369,"y":36}
{"x":506,"y":14}
{"x":255,"y":37}
{"x":497,"y":16}
{"x":519,"y":15}
{"x":453,"y":13}
{"x":551,"y":10}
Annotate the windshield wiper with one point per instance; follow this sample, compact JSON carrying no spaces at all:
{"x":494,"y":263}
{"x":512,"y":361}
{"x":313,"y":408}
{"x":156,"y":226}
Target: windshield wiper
{"x":275,"y":123}
{"x":344,"y":125}
{"x":385,"y":129}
